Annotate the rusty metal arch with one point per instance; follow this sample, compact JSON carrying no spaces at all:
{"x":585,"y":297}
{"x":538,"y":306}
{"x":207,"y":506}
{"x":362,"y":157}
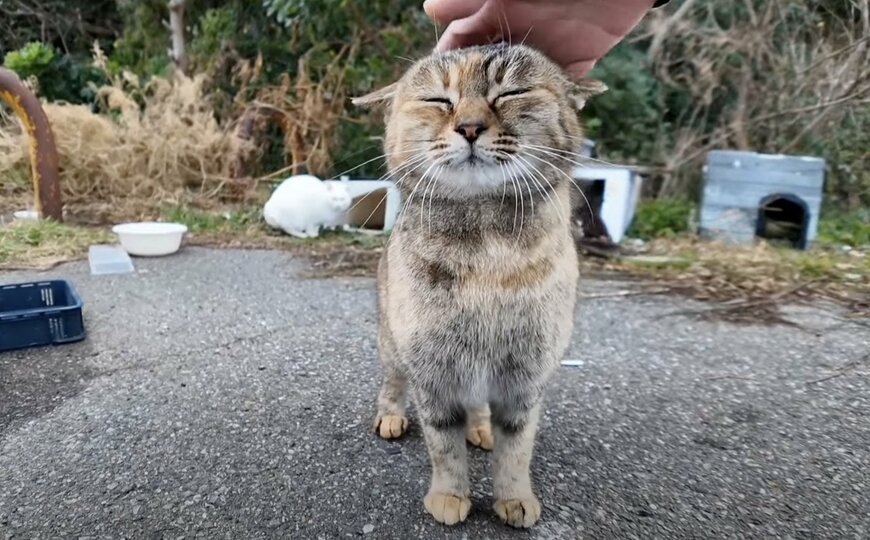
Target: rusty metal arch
{"x":43,"y":152}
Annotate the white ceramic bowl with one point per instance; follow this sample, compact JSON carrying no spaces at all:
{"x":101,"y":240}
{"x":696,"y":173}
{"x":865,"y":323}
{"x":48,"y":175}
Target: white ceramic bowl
{"x":150,"y":239}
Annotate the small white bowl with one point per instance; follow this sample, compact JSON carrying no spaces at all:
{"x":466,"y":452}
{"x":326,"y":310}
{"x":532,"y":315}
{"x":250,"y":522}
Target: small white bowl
{"x":149,"y":238}
{"x":26,"y":215}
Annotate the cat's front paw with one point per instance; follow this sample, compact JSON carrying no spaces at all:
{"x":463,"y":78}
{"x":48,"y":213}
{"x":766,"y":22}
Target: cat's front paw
{"x":447,"y":508}
{"x":480,"y":435}
{"x":519,"y":513}
{"x":390,"y":426}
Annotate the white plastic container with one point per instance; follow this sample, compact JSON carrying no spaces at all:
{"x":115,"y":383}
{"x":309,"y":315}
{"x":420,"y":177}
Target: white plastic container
{"x":26,"y":215}
{"x":621,"y":193}
{"x":367,"y":207}
{"x":150,"y":239}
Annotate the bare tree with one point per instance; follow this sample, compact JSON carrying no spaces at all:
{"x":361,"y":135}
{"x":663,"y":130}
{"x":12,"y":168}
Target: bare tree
{"x":760,"y":75}
{"x":176,"y":29}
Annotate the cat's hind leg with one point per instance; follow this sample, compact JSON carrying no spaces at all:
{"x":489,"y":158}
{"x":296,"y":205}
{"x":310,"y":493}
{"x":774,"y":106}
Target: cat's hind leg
{"x":478,"y":430}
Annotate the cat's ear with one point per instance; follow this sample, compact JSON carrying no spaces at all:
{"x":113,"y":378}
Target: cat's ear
{"x":383,"y":95}
{"x":583,"y":89}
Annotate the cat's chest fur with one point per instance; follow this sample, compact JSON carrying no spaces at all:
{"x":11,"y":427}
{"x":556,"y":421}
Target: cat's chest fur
{"x":496,"y":243}
{"x":475,"y":279}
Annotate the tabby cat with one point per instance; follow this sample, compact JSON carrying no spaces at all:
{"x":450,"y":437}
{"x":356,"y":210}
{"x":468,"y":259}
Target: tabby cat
{"x":477,"y":285}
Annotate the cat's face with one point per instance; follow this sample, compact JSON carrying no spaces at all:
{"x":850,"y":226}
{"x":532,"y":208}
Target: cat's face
{"x":339,"y":198}
{"x":480,"y":121}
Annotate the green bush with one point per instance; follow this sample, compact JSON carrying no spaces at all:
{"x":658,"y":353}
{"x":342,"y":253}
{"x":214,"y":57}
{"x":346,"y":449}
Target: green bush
{"x":661,"y":217}
{"x":851,"y":229}
{"x":846,"y":150}
{"x":59,"y":77}
{"x":626,"y":121}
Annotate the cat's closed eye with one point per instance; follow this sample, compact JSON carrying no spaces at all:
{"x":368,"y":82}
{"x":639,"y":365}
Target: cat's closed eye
{"x":438,"y":100}
{"x":511,"y":93}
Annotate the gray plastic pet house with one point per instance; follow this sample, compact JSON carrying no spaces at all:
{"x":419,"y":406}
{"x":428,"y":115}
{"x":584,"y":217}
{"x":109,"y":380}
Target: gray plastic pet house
{"x":748,"y":195}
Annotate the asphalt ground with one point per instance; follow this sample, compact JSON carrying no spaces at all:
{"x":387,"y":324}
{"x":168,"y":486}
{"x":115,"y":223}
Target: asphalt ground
{"x":221,"y":395}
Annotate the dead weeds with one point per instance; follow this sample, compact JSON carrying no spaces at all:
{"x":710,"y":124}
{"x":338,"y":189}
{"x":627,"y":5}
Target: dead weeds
{"x":149,"y":145}
{"x":747,"y":284}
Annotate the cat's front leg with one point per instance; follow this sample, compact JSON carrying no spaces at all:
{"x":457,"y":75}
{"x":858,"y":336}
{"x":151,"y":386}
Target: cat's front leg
{"x":444,"y":429}
{"x":514,"y":426}
{"x":312,"y":231}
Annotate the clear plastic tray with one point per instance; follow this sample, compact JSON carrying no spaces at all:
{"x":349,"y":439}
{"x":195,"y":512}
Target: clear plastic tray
{"x":109,"y":260}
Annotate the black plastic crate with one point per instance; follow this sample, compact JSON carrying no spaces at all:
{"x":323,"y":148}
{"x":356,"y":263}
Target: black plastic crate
{"x":39,"y":313}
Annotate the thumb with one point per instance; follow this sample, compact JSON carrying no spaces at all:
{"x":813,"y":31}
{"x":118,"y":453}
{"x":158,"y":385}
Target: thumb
{"x":446,"y":11}
{"x":473,"y":30}
{"x":579,"y":68}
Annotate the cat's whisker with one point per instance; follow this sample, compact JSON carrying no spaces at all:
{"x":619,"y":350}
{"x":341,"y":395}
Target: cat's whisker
{"x":559,"y":151}
{"x":525,"y":178}
{"x":438,"y":172}
{"x":516,"y":197}
{"x":412,"y":165}
{"x":407,"y":203}
{"x":529,"y":31}
{"x":522,"y":201}
{"x":563,"y":173}
{"x":417,"y":160}
{"x":430,"y":188}
{"x":545,"y":151}
{"x":504,"y":183}
{"x":413,"y":161}
{"x":428,"y":185}
{"x":570,"y":180}
{"x":527,"y":175}
{"x":543,"y":189}
{"x":382,"y":156}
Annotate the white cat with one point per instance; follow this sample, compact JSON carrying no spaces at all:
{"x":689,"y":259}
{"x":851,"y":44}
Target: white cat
{"x":303,"y":204}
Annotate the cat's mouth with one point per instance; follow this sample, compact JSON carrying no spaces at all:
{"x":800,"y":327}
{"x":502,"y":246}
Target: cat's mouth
{"x":473,"y":157}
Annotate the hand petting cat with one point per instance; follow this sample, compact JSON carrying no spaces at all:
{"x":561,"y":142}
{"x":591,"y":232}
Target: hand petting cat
{"x":574,"y":33}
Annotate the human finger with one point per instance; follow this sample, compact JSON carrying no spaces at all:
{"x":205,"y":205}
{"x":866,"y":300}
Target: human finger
{"x":579,"y":68}
{"x":447,"y":11}
{"x":474,"y":30}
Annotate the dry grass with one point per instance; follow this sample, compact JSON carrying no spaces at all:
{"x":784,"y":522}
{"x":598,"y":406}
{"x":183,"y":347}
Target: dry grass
{"x":152,"y":145}
{"x":307,"y":111}
{"x":750,"y":282}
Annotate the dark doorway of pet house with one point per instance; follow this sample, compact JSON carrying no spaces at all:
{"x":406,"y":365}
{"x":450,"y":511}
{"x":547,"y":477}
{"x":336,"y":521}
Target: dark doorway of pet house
{"x":587,"y":202}
{"x":368,"y":211}
{"x":783,"y":217}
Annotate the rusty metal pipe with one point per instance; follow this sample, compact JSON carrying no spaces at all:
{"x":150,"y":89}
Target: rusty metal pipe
{"x":43,"y":152}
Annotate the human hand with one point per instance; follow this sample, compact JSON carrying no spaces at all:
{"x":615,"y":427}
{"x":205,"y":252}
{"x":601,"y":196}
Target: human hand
{"x":574,"y":33}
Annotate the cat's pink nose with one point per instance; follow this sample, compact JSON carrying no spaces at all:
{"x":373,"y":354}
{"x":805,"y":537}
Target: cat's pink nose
{"x":471,"y":130}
